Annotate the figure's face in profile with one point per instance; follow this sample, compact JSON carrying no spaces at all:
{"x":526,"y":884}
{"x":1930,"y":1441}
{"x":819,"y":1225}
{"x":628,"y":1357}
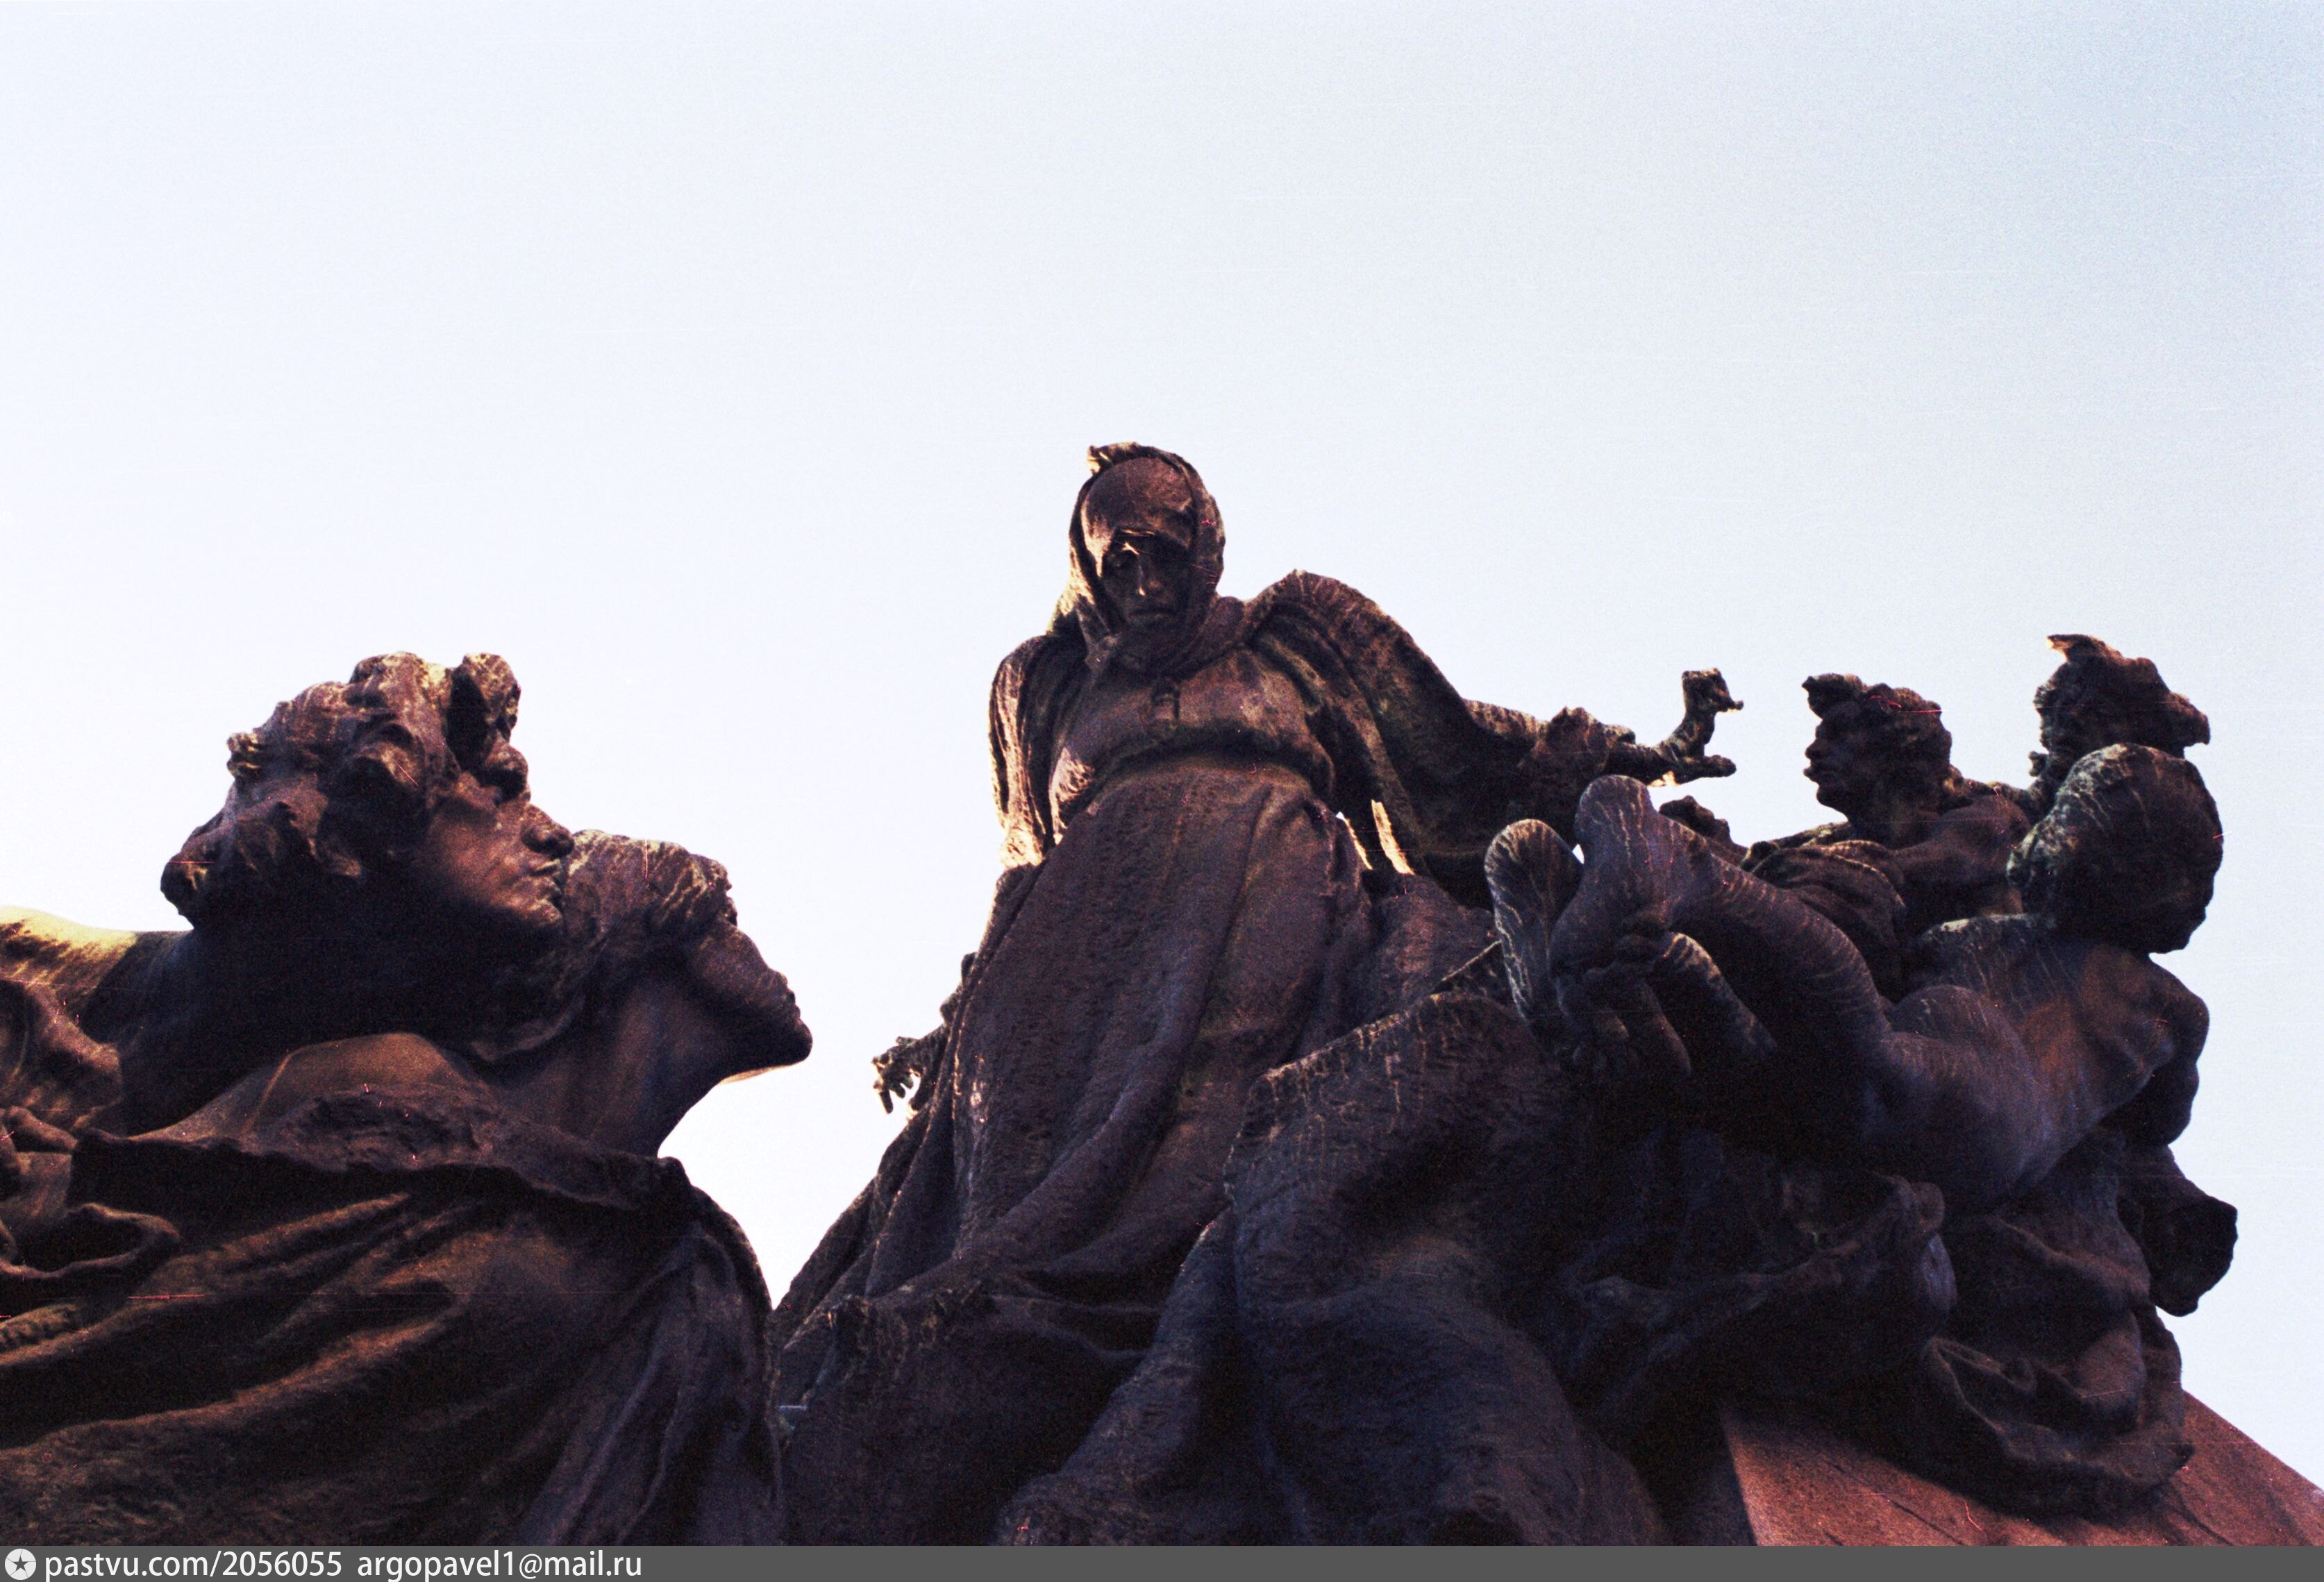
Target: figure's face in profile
{"x":1843,"y":764}
{"x":1138,"y":522}
{"x":491,"y":859}
{"x":727,"y":970}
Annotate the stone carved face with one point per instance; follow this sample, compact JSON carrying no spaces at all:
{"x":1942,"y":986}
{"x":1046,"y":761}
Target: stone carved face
{"x":1845,"y":762}
{"x":1138,"y":522}
{"x":391,"y":804}
{"x":664,"y":997}
{"x":378,"y":866}
{"x":1875,"y":746}
{"x":656,"y":996}
{"x":489,"y":860}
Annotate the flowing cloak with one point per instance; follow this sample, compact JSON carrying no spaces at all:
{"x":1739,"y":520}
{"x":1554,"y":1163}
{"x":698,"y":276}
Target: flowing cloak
{"x":1185,"y":910}
{"x":386,"y":1317}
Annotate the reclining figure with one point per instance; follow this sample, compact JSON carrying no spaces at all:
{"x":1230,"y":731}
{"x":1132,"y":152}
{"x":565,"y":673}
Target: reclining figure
{"x":2020,"y":1033}
{"x":1488,"y":1262}
{"x":2034,"y":1071}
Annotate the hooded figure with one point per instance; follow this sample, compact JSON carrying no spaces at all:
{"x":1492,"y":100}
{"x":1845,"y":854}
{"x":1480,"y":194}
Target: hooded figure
{"x":1233,"y":831}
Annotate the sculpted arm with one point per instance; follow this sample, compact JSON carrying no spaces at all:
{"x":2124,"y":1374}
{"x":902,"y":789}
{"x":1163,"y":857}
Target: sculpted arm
{"x":1969,"y":846}
{"x":1948,"y":1086}
{"x":1988,"y":1092}
{"x":1562,"y":755}
{"x":1028,"y":690}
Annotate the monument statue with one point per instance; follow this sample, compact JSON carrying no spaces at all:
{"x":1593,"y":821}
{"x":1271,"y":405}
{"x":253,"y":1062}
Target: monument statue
{"x":1234,"y":833}
{"x":1490,"y":1266}
{"x":388,"y":1257}
{"x":1918,"y":844}
{"x":1367,"y":1117}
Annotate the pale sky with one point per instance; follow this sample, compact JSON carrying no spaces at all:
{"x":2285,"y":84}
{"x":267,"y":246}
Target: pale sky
{"x":728,"y":369}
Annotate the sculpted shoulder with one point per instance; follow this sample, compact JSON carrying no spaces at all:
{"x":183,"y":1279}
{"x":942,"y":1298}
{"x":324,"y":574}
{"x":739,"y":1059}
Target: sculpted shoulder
{"x":1011,"y":670}
{"x":2021,"y":961}
{"x":1312,"y":593}
{"x":392,"y":1062}
{"x":2131,"y":1003}
{"x":71,"y":960}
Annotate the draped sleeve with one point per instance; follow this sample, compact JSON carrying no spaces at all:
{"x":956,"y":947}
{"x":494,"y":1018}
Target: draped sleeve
{"x":1032,"y":690}
{"x":1424,"y":777}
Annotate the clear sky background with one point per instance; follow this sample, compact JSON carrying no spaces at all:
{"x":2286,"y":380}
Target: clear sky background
{"x":728,"y":369}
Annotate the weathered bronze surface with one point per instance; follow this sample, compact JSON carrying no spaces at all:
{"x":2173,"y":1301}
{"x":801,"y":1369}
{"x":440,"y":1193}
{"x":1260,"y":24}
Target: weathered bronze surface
{"x":351,"y":1230}
{"x":1367,"y":1117}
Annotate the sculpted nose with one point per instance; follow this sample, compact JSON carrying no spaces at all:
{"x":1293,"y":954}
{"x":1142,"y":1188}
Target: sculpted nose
{"x":544,"y":833}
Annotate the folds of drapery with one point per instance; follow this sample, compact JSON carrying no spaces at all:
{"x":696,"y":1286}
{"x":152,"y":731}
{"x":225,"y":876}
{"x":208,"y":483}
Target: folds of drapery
{"x":1455,"y":1289}
{"x":389,"y":1317}
{"x":968,"y":1317}
{"x":1424,"y":777}
{"x":1452,"y":1291}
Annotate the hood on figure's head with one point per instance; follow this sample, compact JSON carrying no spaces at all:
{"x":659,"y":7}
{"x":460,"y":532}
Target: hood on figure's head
{"x":1191,"y":635}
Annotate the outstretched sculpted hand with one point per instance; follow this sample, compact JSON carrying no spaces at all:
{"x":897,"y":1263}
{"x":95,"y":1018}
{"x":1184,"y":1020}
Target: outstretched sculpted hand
{"x":1679,"y":755}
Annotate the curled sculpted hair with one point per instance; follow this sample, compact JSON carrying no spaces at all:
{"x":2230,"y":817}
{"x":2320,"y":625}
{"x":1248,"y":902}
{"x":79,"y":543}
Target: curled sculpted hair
{"x":342,"y":780}
{"x":2099,"y":697}
{"x":2127,"y":851}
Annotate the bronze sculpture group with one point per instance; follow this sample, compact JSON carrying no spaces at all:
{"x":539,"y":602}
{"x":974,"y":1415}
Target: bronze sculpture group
{"x":1365,"y":1117}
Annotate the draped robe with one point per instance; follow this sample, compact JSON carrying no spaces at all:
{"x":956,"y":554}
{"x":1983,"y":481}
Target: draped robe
{"x":1218,"y":862}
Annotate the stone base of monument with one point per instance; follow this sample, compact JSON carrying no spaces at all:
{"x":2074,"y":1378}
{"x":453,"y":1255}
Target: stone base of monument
{"x":1776,"y":1477}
